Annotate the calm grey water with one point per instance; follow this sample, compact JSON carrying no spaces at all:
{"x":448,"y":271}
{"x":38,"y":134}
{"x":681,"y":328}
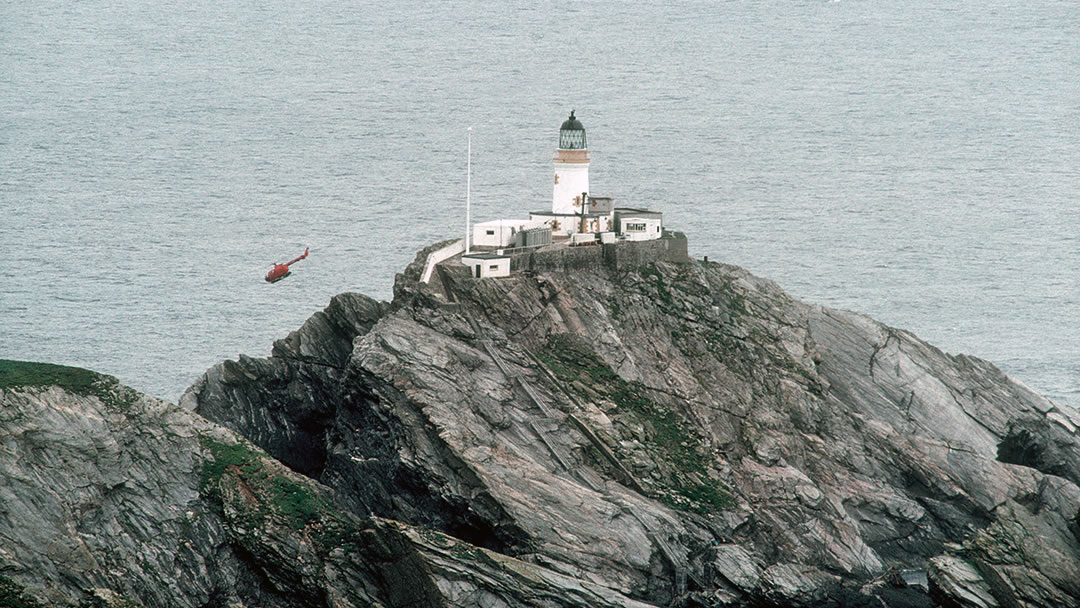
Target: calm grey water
{"x":913,"y":160}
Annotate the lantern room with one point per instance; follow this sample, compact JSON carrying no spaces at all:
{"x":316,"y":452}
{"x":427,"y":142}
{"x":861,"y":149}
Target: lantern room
{"x":572,"y":134}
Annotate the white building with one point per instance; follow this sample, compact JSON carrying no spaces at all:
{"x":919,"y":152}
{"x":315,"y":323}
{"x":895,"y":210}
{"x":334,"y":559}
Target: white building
{"x":500,"y":233}
{"x":639,"y":224}
{"x":483,"y":265}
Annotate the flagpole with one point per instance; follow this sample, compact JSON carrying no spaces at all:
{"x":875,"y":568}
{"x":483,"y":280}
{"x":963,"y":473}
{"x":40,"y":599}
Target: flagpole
{"x":468,"y":194}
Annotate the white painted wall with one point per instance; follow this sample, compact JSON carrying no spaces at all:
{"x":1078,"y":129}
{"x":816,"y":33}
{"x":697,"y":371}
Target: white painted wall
{"x":569,"y":225}
{"x":499,"y":233}
{"x":441,"y":255}
{"x":571,"y":179}
{"x":498,"y":267}
{"x":641,"y":228}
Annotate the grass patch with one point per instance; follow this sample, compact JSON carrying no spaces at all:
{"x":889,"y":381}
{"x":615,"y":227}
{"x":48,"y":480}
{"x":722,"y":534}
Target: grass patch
{"x":672,"y":443}
{"x":222,"y":456}
{"x":564,"y":356}
{"x":16,"y":375}
{"x":295,"y":502}
{"x":276,"y":499}
{"x":26,"y":374}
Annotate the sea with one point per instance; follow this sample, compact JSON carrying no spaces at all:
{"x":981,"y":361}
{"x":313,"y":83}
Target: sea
{"x":916,"y":161}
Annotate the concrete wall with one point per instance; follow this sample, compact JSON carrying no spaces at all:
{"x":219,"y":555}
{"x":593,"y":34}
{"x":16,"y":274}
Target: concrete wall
{"x":671,"y":248}
{"x":562,"y":258}
{"x":438,"y":256}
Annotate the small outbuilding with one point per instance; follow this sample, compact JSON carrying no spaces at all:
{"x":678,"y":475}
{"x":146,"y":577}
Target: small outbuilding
{"x":638,"y":224}
{"x":500,"y":233}
{"x":483,"y":265}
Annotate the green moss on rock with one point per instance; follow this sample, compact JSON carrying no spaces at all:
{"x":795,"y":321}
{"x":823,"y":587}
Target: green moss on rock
{"x":222,"y":456}
{"x":27,"y":374}
{"x":21,"y":375}
{"x":295,"y":503}
{"x":273,"y":498}
{"x":672,"y":442}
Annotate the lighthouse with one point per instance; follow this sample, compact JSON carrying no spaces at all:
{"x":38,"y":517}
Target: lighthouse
{"x":574,"y":209}
{"x":577,"y":218}
{"x":571,"y":169}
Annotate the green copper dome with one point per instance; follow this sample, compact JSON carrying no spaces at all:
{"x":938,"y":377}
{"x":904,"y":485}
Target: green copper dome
{"x":572,"y":134}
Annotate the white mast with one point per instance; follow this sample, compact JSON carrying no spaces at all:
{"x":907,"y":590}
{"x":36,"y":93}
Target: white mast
{"x":468,"y":194}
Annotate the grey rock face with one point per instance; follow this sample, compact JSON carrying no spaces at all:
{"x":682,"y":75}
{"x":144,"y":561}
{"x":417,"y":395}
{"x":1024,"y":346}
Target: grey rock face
{"x":111,"y":498}
{"x":670,"y":433}
{"x":689,"y":433}
{"x":297,"y":387}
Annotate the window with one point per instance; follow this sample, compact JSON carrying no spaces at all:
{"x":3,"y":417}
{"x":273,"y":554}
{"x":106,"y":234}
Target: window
{"x":491,"y":233}
{"x":493,"y":267}
{"x":639,"y":227}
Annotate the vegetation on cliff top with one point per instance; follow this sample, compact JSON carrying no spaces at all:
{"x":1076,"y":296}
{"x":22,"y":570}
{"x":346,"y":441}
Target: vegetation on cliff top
{"x":26,"y":374}
{"x":16,"y":375}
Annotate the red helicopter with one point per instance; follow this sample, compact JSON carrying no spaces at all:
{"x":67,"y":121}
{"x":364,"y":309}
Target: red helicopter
{"x":280,"y":271}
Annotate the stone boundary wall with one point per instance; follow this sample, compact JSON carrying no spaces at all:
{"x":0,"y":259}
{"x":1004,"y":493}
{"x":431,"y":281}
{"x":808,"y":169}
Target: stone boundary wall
{"x":671,"y":248}
{"x":562,"y":258}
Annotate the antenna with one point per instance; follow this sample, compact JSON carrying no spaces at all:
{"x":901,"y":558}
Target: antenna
{"x":468,"y":194}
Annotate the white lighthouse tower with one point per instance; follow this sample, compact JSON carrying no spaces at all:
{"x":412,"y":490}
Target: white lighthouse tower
{"x":571,"y":168}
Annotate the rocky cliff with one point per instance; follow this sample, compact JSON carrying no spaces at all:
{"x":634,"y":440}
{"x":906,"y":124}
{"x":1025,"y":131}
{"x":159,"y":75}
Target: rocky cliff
{"x":677,"y":433}
{"x":109,"y":498}
{"x":601,"y":434}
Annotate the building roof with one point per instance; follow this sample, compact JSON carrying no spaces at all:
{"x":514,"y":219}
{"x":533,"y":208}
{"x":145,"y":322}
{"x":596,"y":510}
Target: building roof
{"x":485,"y":256}
{"x":506,"y":223}
{"x":623,"y":211}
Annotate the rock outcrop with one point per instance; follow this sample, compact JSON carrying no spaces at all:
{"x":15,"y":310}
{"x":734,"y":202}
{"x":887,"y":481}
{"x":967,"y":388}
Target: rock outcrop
{"x":608,"y":434}
{"x":680,"y":433}
{"x":109,"y":498}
